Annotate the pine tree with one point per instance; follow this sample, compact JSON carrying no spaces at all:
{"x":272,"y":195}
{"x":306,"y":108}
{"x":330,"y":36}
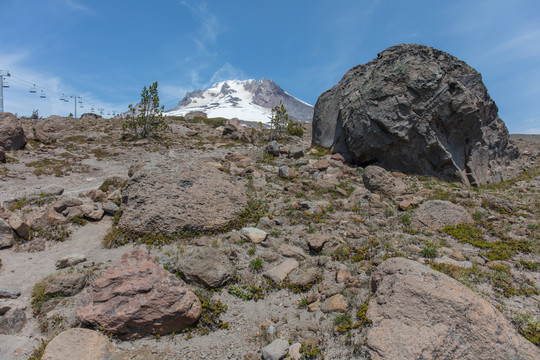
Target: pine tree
{"x":146,"y":119}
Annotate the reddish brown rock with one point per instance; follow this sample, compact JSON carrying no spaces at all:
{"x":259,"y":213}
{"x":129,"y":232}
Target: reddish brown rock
{"x":19,"y":226}
{"x":418,"y":313}
{"x":338,"y":157}
{"x":137,"y":297}
{"x":321,"y":164}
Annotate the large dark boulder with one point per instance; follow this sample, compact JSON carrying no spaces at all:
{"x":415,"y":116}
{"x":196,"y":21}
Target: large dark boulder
{"x":418,"y":110}
{"x":12,"y":135}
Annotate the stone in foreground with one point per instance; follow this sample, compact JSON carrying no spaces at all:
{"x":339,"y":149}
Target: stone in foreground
{"x":176,"y":196}
{"x":418,"y":110}
{"x":137,"y":297}
{"x":419,"y":313}
{"x":81,"y":344}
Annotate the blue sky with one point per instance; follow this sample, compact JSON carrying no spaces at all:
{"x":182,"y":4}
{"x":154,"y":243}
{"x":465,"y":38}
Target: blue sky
{"x":106,"y":51}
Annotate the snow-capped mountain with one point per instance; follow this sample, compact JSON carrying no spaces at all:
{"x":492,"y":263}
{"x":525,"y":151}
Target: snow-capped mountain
{"x":248,"y":100}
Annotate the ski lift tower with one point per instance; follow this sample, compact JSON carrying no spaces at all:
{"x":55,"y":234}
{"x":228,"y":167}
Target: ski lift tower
{"x":3,"y":73}
{"x":75,"y":97}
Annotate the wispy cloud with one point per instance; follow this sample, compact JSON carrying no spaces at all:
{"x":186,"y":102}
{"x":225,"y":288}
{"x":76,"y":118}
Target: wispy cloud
{"x":525,"y":44}
{"x":209,"y":27}
{"x":226,"y":72}
{"x":76,"y":6}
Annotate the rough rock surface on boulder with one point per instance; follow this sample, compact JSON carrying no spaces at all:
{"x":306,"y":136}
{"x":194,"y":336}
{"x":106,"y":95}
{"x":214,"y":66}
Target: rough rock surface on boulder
{"x":419,"y":313}
{"x":7,"y":235}
{"x":137,"y":297}
{"x":11,"y":132}
{"x":176,"y":196}
{"x":417,"y":110}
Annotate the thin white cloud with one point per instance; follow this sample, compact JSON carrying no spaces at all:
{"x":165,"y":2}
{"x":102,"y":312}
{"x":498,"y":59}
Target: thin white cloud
{"x":76,"y":6}
{"x":209,"y":28}
{"x":525,"y":44}
{"x":225,"y":72}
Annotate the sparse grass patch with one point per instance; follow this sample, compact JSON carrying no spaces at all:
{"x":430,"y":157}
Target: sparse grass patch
{"x":54,"y":167}
{"x":529,"y":327}
{"x":53,"y":232}
{"x":210,"y":315}
{"x":247,"y":292}
{"x":430,"y":251}
{"x":38,"y":352}
{"x":39,"y":297}
{"x":256,"y":264}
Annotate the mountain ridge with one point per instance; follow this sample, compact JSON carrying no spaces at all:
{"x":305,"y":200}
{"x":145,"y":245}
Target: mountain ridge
{"x":248,"y":100}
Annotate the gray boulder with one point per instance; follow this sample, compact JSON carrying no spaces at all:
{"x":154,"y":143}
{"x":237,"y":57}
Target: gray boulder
{"x":276,"y":350}
{"x":420,"y":313}
{"x":417,"y":110}
{"x":437,"y":214}
{"x":7,"y":235}
{"x":11,"y":132}
{"x":175,"y":196}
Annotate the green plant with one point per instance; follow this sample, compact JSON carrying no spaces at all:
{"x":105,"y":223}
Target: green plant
{"x":429,"y":251}
{"x":146,"y":119}
{"x":295,"y":129}
{"x":256,"y":264}
{"x":529,"y":327}
{"x":406,"y":219}
{"x":309,"y":351}
{"x":210,"y":315}
{"x":37,"y":353}
{"x":279,"y":121}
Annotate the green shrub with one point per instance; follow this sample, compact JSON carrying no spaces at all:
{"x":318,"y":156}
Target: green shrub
{"x":146,"y":119}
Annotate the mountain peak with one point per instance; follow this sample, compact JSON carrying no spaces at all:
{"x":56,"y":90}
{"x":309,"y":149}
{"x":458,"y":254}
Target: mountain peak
{"x":248,"y":100}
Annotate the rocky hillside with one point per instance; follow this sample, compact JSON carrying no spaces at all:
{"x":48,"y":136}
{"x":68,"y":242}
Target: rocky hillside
{"x":247,"y":100}
{"x":202,"y":245}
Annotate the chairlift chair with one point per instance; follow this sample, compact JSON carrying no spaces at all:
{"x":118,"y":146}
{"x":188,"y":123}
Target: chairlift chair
{"x":43,"y":96}
{"x":33,"y":89}
{"x":6,"y":84}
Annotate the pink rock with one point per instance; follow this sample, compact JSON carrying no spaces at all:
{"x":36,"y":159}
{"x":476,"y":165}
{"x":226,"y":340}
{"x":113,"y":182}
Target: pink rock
{"x":44,"y":218}
{"x":338,"y":157}
{"x":321,"y":164}
{"x":137,"y":297}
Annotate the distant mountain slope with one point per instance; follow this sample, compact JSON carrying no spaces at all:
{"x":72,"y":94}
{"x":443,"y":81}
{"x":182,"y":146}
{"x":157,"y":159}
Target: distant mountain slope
{"x":248,"y":100}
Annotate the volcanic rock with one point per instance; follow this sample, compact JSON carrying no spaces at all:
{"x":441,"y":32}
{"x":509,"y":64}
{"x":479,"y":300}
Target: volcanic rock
{"x":175,"y":196}
{"x":7,"y":235}
{"x":421,"y":313}
{"x":417,"y":110}
{"x":11,"y":132}
{"x":137,"y":297}
{"x":46,"y":130}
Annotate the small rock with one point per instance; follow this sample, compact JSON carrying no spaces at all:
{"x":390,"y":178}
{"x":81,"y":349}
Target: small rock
{"x":275,"y":350}
{"x":12,"y":320}
{"x":292,"y":251}
{"x":342,"y":275}
{"x":266,"y":224}
{"x":314,"y":306}
{"x":52,"y":190}
{"x":62,"y":204}
{"x":273,"y":147}
{"x":295,"y":152}
{"x":110,"y":208}
{"x":254,"y":235}
{"x":378,"y":180}
{"x":92,"y":211}
{"x":9,"y":294}
{"x":7,"y":235}
{"x":65,"y":284}
{"x":316,"y":242}
{"x":278,"y":273}
{"x":321,"y":164}
{"x":70,"y":260}
{"x":338,"y":157}
{"x":294,"y":351}
{"x":20,"y":227}
{"x":335,"y":303}
{"x":286,"y":172}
